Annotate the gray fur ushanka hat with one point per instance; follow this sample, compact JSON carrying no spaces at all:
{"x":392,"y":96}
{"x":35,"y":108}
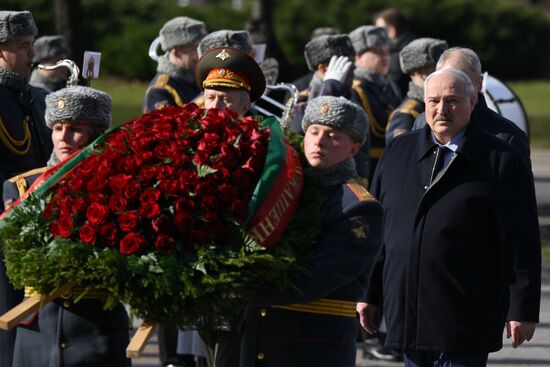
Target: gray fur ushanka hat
{"x":319,"y":50}
{"x":181,"y":31}
{"x":421,"y":53}
{"x":339,"y":113}
{"x":368,"y":36}
{"x":16,"y":24}
{"x":49,"y":46}
{"x":225,"y":38}
{"x":79,"y":104}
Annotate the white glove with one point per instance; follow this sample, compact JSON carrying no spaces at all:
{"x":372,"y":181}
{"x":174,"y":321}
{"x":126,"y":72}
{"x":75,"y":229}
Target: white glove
{"x":338,"y":68}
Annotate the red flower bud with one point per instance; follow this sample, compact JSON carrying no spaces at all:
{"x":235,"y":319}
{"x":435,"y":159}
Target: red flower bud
{"x":132,"y":243}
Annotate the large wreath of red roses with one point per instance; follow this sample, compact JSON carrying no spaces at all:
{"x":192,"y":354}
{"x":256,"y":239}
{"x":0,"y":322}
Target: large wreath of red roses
{"x":155,"y":213}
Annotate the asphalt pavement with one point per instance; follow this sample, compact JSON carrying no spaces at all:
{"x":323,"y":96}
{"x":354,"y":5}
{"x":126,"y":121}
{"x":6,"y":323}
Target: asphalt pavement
{"x":535,"y":353}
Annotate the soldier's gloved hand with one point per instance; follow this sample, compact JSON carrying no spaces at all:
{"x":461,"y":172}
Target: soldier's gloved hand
{"x":338,"y":68}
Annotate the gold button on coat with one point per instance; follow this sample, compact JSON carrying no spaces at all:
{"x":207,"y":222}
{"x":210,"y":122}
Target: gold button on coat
{"x":261,"y":356}
{"x":263,"y":312}
{"x":64,"y":345}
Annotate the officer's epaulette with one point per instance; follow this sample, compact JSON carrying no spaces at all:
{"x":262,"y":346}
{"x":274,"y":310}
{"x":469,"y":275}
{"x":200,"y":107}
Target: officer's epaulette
{"x":28,"y":173}
{"x":409,"y":107}
{"x":161,"y":81}
{"x":359,"y":190}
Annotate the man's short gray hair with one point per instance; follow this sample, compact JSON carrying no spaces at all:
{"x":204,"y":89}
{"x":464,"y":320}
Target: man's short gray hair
{"x":468,"y":85}
{"x":464,"y":57}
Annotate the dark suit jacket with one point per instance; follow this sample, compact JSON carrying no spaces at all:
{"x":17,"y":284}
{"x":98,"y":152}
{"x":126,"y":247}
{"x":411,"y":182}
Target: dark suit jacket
{"x":462,"y":255}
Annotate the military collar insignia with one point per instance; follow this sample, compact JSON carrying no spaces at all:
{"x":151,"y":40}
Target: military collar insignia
{"x":223,"y":55}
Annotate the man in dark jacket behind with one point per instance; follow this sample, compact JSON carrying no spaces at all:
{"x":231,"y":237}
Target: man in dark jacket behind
{"x":461,"y":240}
{"x":467,"y":61}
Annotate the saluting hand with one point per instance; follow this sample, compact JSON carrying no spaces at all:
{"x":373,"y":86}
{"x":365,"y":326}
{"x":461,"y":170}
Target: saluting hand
{"x":338,"y":68}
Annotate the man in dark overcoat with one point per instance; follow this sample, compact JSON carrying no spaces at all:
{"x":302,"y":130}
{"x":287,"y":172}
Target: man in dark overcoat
{"x":466,"y":60}
{"x":461,"y":241}
{"x":24,"y":138}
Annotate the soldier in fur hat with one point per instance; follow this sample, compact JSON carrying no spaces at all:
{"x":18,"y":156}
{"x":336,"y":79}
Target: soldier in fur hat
{"x":226,"y":38}
{"x":314,"y":323}
{"x":48,"y":51}
{"x":174,"y":83}
{"x":418,"y":60}
{"x":24,"y":138}
{"x":379,"y":95}
{"x":330,"y":58}
{"x":64,"y":332}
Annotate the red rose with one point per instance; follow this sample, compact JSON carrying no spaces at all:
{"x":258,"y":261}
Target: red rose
{"x":227,"y":193}
{"x":108,"y":233}
{"x":64,"y":205}
{"x":65,"y":226}
{"x":87,"y":234}
{"x":118,"y":183}
{"x":241,"y":178}
{"x":77,"y":184}
{"x":79,"y":204}
{"x":54,"y":228}
{"x":96,"y":184}
{"x":149,"y":209}
{"x":49,"y":210}
{"x":170,"y":187}
{"x":147,"y":173}
{"x":165,"y":171}
{"x":104,"y":168}
{"x":183,"y":221}
{"x":88,"y":166}
{"x":132,"y":243}
{"x":96,"y":197}
{"x":97,"y":213}
{"x":117,"y":203}
{"x":150,"y":195}
{"x":183,"y":204}
{"x":132,"y":190}
{"x":128,"y":220}
{"x":164,"y":243}
{"x":210,"y":204}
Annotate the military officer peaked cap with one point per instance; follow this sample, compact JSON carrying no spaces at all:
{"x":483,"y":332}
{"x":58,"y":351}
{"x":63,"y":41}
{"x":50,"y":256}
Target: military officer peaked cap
{"x":15,"y":25}
{"x":226,"y":67}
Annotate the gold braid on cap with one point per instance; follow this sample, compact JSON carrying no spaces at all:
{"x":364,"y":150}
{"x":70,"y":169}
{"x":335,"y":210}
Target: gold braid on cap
{"x":223,"y":77}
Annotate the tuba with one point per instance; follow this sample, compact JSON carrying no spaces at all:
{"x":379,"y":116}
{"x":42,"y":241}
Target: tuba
{"x":153,"y":48}
{"x":270,"y":68}
{"x":74,"y":71}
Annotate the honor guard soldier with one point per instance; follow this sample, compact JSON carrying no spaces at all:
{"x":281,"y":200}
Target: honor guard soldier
{"x":417,"y":60}
{"x":65,"y":332}
{"x":24,"y":138}
{"x":378,"y":93}
{"x":48,"y":51}
{"x":226,"y":38}
{"x":174,"y":84}
{"x":330,"y":58}
{"x":314,"y":322}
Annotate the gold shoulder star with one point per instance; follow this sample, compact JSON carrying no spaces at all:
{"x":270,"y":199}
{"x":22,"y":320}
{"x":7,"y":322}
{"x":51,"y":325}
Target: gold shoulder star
{"x":359,"y":232}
